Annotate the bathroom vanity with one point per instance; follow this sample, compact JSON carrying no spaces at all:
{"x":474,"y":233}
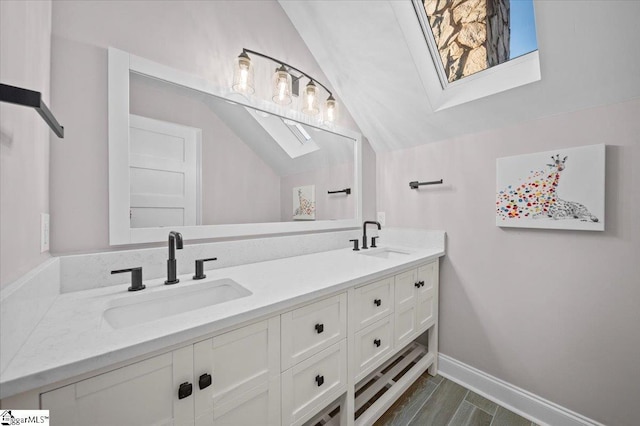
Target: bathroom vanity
{"x":300,"y":339}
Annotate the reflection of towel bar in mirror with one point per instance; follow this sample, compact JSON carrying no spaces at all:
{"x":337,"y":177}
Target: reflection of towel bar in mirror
{"x":346,"y":191}
{"x":415,"y":184}
{"x":33,"y":99}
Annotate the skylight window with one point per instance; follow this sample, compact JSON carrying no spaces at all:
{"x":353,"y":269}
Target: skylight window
{"x":469,"y":36}
{"x":517,"y":68}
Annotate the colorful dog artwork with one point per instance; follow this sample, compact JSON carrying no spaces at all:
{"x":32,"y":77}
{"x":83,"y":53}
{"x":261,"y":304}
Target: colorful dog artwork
{"x":564,"y":193}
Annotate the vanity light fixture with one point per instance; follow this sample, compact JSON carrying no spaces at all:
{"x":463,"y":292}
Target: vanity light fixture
{"x":284,"y":85}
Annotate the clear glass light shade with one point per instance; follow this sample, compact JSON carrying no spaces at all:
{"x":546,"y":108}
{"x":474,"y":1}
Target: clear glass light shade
{"x":243,"y":79}
{"x":310,"y":99}
{"x":331,"y":110}
{"x":282,"y":86}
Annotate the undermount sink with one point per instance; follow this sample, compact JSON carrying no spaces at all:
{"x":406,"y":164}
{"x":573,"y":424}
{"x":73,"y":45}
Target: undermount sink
{"x":126,"y":311}
{"x":386,"y":253}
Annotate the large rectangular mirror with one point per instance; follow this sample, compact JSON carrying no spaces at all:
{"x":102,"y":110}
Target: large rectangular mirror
{"x":186,"y":156}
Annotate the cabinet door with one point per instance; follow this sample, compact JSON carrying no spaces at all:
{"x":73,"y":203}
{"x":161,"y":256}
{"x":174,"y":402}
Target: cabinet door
{"x":373,"y":302}
{"x":244,"y":366}
{"x":405,"y":307}
{"x":371,"y":344}
{"x":427,"y":309}
{"x":142,"y":393}
{"x":312,"y":384}
{"x":312,"y":328}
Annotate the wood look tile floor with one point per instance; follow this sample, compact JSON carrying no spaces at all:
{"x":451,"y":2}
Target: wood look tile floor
{"x":436,"y":401}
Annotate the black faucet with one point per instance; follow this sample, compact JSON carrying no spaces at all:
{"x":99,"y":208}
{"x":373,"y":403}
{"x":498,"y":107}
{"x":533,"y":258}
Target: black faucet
{"x":175,"y":242}
{"x":364,"y":231}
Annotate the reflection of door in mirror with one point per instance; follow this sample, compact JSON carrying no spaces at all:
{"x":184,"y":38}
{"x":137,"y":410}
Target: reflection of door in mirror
{"x":164,"y":168}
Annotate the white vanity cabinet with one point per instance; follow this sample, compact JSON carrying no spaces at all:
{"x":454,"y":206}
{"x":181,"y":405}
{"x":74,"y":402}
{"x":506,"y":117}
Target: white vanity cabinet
{"x":294,"y":367}
{"x":416,"y":302}
{"x":233,"y":378}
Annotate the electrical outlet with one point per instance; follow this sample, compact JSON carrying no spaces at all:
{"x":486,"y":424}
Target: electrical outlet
{"x":381,"y":218}
{"x":44,"y":232}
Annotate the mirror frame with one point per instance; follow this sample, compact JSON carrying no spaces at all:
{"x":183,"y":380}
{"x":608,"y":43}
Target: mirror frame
{"x":120,"y":65}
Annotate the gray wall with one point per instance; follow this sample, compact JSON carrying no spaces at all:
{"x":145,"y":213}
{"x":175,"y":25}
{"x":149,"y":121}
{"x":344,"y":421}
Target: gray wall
{"x":202,"y":38}
{"x":553,"y":312}
{"x":25,"y":48}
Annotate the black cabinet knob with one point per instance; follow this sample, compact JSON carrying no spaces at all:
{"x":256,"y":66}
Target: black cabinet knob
{"x":377,"y":342}
{"x":319,"y":380}
{"x":204,"y":381}
{"x":377,"y":302}
{"x":185,"y":390}
{"x":319,"y":328}
{"x":200,"y":268}
{"x":421,"y":283}
{"x":417,"y":284}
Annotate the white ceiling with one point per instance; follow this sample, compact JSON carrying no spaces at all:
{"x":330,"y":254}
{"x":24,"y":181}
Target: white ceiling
{"x":589,"y":55}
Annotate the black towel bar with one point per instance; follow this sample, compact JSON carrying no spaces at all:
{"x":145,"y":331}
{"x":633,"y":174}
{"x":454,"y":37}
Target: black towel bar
{"x":346,"y":191}
{"x":415,"y":184}
{"x":33,"y":99}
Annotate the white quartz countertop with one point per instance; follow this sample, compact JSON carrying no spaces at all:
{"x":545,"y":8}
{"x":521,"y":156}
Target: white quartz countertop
{"x":73,"y":338}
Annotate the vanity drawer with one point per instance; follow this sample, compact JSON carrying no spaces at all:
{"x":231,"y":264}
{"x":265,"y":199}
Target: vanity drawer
{"x":313,"y":383}
{"x":371,"y":344}
{"x":312,"y":328}
{"x":373,"y":302}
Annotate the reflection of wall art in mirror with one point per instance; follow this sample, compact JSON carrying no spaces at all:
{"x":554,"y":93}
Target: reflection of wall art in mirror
{"x":561,"y":189}
{"x":245,"y":155}
{"x":304,"y":202}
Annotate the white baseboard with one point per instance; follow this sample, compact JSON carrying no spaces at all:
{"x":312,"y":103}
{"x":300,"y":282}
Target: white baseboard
{"x":520,"y":401}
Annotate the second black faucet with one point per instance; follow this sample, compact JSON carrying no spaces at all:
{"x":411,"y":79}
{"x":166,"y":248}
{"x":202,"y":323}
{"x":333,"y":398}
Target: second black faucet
{"x":364,"y":233}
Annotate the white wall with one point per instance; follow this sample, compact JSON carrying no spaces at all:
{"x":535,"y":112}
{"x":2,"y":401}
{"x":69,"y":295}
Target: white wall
{"x":199,"y":37}
{"x":553,"y":312}
{"x":25,"y":48}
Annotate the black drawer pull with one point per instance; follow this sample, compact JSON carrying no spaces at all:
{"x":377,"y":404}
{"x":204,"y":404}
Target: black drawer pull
{"x":377,"y":302}
{"x":185,"y":390}
{"x":204,"y":381}
{"x":319,"y":328}
{"x":377,"y":342}
{"x":319,"y":380}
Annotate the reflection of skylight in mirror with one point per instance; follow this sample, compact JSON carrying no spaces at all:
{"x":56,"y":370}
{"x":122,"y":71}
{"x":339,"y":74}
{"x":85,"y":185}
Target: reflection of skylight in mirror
{"x":469,"y":36}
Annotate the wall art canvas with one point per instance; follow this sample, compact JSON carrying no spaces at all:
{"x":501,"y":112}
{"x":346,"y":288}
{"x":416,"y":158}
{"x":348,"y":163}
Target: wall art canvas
{"x":560,"y":189}
{"x":304,"y":202}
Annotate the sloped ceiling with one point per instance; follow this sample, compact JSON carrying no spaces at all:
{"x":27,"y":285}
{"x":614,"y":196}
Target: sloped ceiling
{"x":589,"y":55}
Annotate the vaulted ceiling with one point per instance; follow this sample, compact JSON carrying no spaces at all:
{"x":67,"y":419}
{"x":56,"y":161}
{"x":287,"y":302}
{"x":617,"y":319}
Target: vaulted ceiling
{"x":589,"y":56}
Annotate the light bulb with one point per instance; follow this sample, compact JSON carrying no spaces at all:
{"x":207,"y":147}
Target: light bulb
{"x":331,"y":109}
{"x":244,"y":75}
{"x":282,"y":88}
{"x":310,"y":105}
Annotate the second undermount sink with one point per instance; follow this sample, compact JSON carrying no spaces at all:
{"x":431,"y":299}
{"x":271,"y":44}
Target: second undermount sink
{"x":386,"y":253}
{"x":127,"y":311}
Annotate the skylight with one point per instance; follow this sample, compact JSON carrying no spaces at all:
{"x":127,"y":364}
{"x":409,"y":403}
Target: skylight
{"x":442,"y":93}
{"x":469,"y":36}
